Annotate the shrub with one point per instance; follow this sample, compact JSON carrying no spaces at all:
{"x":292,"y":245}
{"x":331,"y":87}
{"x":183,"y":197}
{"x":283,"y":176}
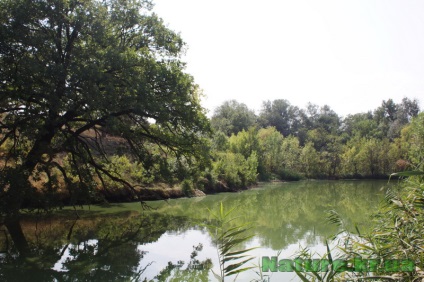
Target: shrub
{"x":187,"y":188}
{"x":235,"y":170}
{"x":289,"y":175}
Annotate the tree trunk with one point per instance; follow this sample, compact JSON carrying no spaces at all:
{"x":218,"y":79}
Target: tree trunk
{"x":14,"y":228}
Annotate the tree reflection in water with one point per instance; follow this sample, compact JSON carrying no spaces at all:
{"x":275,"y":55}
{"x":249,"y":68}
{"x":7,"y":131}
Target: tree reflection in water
{"x":100,"y":248}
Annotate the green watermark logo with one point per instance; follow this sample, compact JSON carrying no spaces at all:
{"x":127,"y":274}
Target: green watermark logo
{"x":323,"y":265}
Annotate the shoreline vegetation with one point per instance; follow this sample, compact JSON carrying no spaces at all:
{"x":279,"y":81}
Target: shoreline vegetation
{"x":356,"y":147}
{"x":163,"y":191}
{"x":236,"y":161}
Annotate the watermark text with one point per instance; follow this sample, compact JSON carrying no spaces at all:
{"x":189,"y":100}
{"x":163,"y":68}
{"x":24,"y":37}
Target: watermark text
{"x":338,"y":265}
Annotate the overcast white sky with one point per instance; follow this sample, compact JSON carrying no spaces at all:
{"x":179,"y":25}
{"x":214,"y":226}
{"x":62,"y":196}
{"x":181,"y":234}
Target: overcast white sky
{"x":350,"y":55}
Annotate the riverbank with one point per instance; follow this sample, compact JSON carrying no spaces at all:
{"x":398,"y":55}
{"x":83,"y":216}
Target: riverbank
{"x":155,"y":192}
{"x":162,"y":191}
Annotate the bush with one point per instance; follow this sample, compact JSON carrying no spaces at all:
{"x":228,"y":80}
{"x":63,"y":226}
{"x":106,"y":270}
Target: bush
{"x":290,"y":175}
{"x":122,"y":166}
{"x":187,"y":188}
{"x":235,"y":171}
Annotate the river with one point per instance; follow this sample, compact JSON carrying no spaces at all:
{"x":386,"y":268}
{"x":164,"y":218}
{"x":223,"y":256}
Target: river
{"x":124,"y":242}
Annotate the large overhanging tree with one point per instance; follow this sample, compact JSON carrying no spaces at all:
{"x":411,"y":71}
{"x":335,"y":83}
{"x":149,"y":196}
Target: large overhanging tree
{"x":70,"y":70}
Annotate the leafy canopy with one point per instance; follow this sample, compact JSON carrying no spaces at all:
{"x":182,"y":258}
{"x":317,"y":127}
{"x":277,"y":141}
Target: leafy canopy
{"x":74,"y":71}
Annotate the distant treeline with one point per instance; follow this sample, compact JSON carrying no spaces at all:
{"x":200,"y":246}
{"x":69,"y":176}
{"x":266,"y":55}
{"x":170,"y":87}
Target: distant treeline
{"x":283,"y":142}
{"x":290,"y":143}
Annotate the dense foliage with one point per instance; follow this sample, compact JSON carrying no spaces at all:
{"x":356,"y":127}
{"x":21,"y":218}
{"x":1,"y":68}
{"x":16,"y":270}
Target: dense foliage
{"x":81,"y":81}
{"x":292,"y":143}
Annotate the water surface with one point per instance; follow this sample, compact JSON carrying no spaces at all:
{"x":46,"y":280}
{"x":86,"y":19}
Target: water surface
{"x":124,"y":242}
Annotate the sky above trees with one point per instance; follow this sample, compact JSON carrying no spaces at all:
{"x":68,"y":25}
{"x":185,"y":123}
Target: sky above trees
{"x":350,"y":55}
